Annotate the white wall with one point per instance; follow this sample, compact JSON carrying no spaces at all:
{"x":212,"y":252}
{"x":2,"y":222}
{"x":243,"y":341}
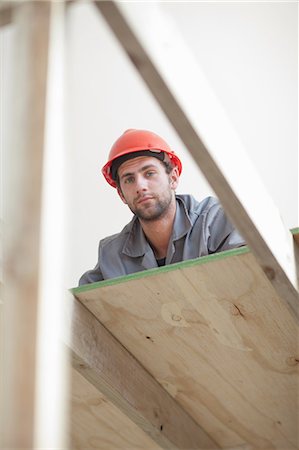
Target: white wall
{"x":249,"y":54}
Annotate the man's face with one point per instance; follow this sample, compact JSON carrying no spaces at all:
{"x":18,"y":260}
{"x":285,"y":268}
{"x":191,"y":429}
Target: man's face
{"x":146,"y":187}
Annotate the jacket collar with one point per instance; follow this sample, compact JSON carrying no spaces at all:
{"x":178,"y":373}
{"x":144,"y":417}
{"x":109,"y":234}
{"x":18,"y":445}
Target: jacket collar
{"x":136,"y":243}
{"x":182,"y":222}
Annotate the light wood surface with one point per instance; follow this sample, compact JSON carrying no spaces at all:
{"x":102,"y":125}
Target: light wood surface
{"x":97,"y":424}
{"x":201,"y":122}
{"x":23,"y":185}
{"x":217,"y":337}
{"x":106,"y":364}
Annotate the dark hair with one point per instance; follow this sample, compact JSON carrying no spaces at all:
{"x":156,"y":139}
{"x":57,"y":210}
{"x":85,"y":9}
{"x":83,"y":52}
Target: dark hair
{"x":121,"y":159}
{"x":168,"y":168}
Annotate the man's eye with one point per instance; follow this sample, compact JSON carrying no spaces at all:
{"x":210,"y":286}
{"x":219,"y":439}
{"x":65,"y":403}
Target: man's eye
{"x":129,"y":180}
{"x":150,"y":173}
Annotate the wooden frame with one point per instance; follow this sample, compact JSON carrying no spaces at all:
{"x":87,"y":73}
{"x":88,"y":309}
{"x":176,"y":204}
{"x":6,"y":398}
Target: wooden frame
{"x":28,"y":419}
{"x":192,"y":108}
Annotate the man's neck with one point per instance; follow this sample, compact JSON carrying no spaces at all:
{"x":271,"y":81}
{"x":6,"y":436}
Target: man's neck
{"x":158,"y":232}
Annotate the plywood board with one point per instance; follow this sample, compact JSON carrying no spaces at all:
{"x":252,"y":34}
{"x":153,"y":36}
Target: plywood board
{"x":97,"y":424}
{"x":113,"y":371}
{"x":217,"y":337}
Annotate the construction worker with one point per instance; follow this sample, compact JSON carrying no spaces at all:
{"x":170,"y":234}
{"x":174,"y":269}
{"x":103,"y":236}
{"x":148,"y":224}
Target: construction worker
{"x":166,"y":228}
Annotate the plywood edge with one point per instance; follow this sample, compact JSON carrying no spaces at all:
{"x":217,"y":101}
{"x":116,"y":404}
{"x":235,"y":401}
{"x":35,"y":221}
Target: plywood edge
{"x":105,"y":363}
{"x":145,"y":273}
{"x":295,"y":233}
{"x":180,"y":265}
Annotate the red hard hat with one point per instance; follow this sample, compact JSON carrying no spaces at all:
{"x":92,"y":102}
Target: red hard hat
{"x":132,"y":141}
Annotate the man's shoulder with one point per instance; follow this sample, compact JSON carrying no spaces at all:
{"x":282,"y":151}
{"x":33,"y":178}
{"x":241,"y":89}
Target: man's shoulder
{"x":117,"y":238}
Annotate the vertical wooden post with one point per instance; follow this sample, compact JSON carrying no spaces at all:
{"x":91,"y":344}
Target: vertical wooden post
{"x":22,"y":225}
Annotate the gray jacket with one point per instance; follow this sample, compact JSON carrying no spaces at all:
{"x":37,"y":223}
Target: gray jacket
{"x":200,"y":228}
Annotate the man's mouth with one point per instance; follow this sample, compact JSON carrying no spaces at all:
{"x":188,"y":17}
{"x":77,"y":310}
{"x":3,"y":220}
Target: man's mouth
{"x":144,"y":199}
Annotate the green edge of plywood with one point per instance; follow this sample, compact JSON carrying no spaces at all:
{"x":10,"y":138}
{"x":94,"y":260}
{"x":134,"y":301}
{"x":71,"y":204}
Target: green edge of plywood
{"x":168,"y":268}
{"x":154,"y":271}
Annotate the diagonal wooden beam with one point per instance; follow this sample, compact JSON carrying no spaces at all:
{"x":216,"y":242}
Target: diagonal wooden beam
{"x":174,"y":78}
{"x":105,"y":363}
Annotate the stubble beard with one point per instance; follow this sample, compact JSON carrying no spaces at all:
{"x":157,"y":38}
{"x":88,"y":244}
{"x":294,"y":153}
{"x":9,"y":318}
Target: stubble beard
{"x":153,"y":212}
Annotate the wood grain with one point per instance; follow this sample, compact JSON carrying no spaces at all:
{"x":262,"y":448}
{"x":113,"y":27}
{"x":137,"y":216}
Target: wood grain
{"x":97,"y":424}
{"x":105,"y":363}
{"x":219,"y":339}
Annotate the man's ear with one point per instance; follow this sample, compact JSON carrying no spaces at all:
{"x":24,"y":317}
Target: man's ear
{"x":121,"y":195}
{"x":174,"y":178}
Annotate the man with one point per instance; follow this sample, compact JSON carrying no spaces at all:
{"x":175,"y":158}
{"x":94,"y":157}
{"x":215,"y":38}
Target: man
{"x":166,"y":228}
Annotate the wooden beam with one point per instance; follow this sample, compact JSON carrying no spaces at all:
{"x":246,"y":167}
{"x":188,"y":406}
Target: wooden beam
{"x":105,"y":363}
{"x":21,"y":263}
{"x":173,"y":76}
{"x":23,"y":186}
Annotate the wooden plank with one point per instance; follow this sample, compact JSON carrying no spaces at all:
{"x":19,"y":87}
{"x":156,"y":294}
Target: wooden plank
{"x":22,"y":224}
{"x":106,"y":364}
{"x":97,"y":423}
{"x":216,"y":335}
{"x":159,"y":54}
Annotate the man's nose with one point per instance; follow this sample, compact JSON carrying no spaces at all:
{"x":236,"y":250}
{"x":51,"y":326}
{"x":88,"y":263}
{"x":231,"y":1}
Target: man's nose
{"x":141,"y":184}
